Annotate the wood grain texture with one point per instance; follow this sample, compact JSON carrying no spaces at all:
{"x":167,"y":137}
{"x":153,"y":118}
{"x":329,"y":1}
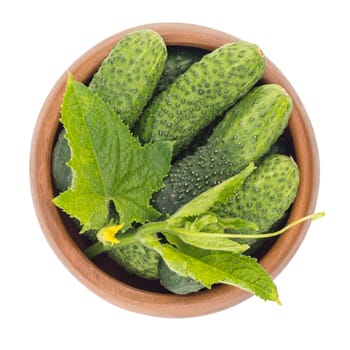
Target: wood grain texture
{"x":101,"y":276}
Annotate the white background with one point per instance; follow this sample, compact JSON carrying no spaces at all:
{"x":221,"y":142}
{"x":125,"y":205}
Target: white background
{"x":43,"y":306}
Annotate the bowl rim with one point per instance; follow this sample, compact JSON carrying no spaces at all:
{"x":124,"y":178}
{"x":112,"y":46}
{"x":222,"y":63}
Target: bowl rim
{"x":120,"y":293}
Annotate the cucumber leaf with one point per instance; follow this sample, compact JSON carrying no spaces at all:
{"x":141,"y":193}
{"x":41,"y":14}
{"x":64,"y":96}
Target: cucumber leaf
{"x":108,"y":163}
{"x":244,"y":272}
{"x":217,"y":194}
{"x":217,"y":267}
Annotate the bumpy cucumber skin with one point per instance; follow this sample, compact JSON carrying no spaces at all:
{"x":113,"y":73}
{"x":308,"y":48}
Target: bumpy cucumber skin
{"x":128,"y":77}
{"x":180,"y":58}
{"x":137,"y":259}
{"x":246,"y":133}
{"x":265,"y":196}
{"x":207,"y":89}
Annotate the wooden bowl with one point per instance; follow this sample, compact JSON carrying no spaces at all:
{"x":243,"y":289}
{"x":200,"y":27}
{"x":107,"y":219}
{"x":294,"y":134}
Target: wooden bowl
{"x":102,"y":276}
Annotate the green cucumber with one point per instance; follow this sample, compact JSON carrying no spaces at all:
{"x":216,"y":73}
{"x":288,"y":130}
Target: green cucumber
{"x":264,"y":198}
{"x":246,"y":133}
{"x":61,"y":172}
{"x":137,"y":260}
{"x":201,"y":94}
{"x":127,"y":78}
{"x":180,"y":58}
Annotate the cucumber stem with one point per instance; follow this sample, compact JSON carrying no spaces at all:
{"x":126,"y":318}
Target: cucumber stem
{"x":95,"y":249}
